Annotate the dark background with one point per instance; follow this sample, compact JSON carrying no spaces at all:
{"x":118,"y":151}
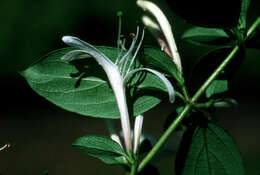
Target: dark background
{"x":41,"y":134}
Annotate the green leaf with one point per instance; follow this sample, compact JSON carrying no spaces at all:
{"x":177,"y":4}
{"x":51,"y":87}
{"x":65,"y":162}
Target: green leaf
{"x":157,"y":59}
{"x":83,"y":87}
{"x":243,"y":13}
{"x":101,"y":147}
{"x":208,"y":149}
{"x":217,"y":87}
{"x":206,"y":36}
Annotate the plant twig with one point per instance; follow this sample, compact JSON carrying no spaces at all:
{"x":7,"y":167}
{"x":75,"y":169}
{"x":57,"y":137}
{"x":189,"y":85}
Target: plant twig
{"x":188,"y":106}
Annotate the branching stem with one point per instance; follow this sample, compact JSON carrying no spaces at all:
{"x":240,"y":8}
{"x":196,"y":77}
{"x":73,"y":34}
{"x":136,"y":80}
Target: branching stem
{"x":194,"y":99}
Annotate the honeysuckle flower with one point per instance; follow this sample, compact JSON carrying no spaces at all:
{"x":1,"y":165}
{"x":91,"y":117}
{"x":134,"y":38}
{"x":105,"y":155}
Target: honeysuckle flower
{"x":165,"y":28}
{"x":118,"y":74}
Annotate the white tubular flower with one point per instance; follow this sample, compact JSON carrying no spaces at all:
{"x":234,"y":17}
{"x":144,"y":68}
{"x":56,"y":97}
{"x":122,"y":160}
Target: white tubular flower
{"x":113,"y":74}
{"x":137,"y":131}
{"x":118,"y":73}
{"x":165,"y":28}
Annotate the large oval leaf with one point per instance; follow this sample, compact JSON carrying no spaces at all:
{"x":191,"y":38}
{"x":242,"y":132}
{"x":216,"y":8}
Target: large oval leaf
{"x":208,"y":150}
{"x":82,"y":87}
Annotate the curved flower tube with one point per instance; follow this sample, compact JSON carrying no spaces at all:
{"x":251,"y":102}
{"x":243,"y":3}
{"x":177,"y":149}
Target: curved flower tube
{"x":115,"y":79}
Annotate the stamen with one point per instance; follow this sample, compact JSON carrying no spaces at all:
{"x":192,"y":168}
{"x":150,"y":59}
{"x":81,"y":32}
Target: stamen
{"x":119,"y":14}
{"x":121,"y":51}
{"x":136,"y":51}
{"x":132,"y":35}
{"x":124,"y":60}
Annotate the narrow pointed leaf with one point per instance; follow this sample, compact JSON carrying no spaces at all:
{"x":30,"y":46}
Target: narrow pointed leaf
{"x":101,"y":147}
{"x":208,"y":149}
{"x":206,"y":36}
{"x":81,"y":86}
{"x":243,"y":13}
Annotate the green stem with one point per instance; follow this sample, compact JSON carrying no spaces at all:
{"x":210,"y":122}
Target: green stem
{"x":214,"y":74}
{"x":253,"y":27}
{"x":188,"y":106}
{"x":133,"y":169}
{"x":164,"y":137}
{"x":186,"y":110}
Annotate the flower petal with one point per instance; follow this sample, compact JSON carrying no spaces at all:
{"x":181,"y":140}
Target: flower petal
{"x":137,"y":131}
{"x":153,"y":26}
{"x":157,"y":33}
{"x":165,"y":26}
{"x":75,"y":54}
{"x":91,"y":50}
{"x":166,"y":82}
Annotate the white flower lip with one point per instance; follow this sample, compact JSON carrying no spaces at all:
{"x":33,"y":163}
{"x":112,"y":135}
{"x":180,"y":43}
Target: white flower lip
{"x":165,"y":27}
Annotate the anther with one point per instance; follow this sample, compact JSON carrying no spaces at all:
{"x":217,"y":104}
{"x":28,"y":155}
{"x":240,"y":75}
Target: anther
{"x":132,"y":35}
